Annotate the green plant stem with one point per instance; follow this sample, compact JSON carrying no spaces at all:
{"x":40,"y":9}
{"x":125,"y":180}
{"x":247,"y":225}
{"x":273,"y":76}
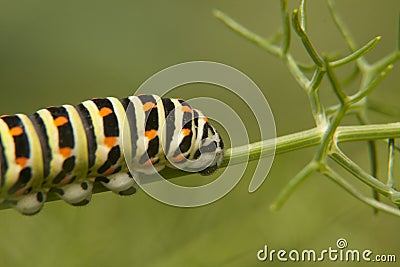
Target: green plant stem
{"x":286,"y":144}
{"x":310,"y":138}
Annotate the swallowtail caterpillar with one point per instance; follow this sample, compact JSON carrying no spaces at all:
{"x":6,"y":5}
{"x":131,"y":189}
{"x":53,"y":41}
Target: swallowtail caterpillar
{"x":68,"y":148}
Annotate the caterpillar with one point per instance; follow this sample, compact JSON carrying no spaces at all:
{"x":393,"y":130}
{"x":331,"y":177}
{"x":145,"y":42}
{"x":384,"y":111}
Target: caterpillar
{"x":67,"y":149}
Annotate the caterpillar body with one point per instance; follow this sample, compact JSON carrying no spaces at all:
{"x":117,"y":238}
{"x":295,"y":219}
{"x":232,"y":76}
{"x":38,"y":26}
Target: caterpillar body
{"x":66,"y":149}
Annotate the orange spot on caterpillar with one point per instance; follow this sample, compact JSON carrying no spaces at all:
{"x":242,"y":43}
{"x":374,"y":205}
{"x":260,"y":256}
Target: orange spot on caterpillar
{"x":148,"y":105}
{"x":21,"y":161}
{"x":179,"y":158}
{"x":148,"y":162}
{"x":16,"y":131}
{"x":104,"y":112}
{"x":109,"y":171}
{"x":66,"y":152}
{"x":20,"y":192}
{"x":151,"y":134}
{"x":186,"y":109}
{"x":110,"y":141}
{"x":60,"y":121}
{"x":65,"y":181}
{"x":205,"y":119}
{"x":186,"y":132}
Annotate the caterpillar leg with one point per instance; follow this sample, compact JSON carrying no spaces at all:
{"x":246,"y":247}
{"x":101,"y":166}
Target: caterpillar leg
{"x":29,"y":204}
{"x":120,"y":183}
{"x":76,"y":194}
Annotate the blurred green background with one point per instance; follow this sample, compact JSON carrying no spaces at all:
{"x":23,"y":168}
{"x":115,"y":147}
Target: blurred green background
{"x":56,"y":52}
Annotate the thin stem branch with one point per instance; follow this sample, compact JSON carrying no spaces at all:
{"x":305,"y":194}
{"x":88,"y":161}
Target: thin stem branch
{"x":331,"y":174}
{"x":335,"y":84}
{"x":274,"y":50}
{"x":249,"y":35}
{"x":364,"y":91}
{"x":286,"y":27}
{"x":384,"y":63}
{"x":361,"y":62}
{"x":390,"y":180}
{"x":293,"y":184}
{"x":303,"y":15}
{"x":304,"y":38}
{"x":316,"y":108}
{"x":373,"y":155}
{"x":296,"y":72}
{"x":356,"y":54}
{"x":344,"y":161}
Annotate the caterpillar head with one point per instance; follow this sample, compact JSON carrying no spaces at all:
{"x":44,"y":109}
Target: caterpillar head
{"x":209,"y":150}
{"x":200,"y":150}
{"x":211,"y":146}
